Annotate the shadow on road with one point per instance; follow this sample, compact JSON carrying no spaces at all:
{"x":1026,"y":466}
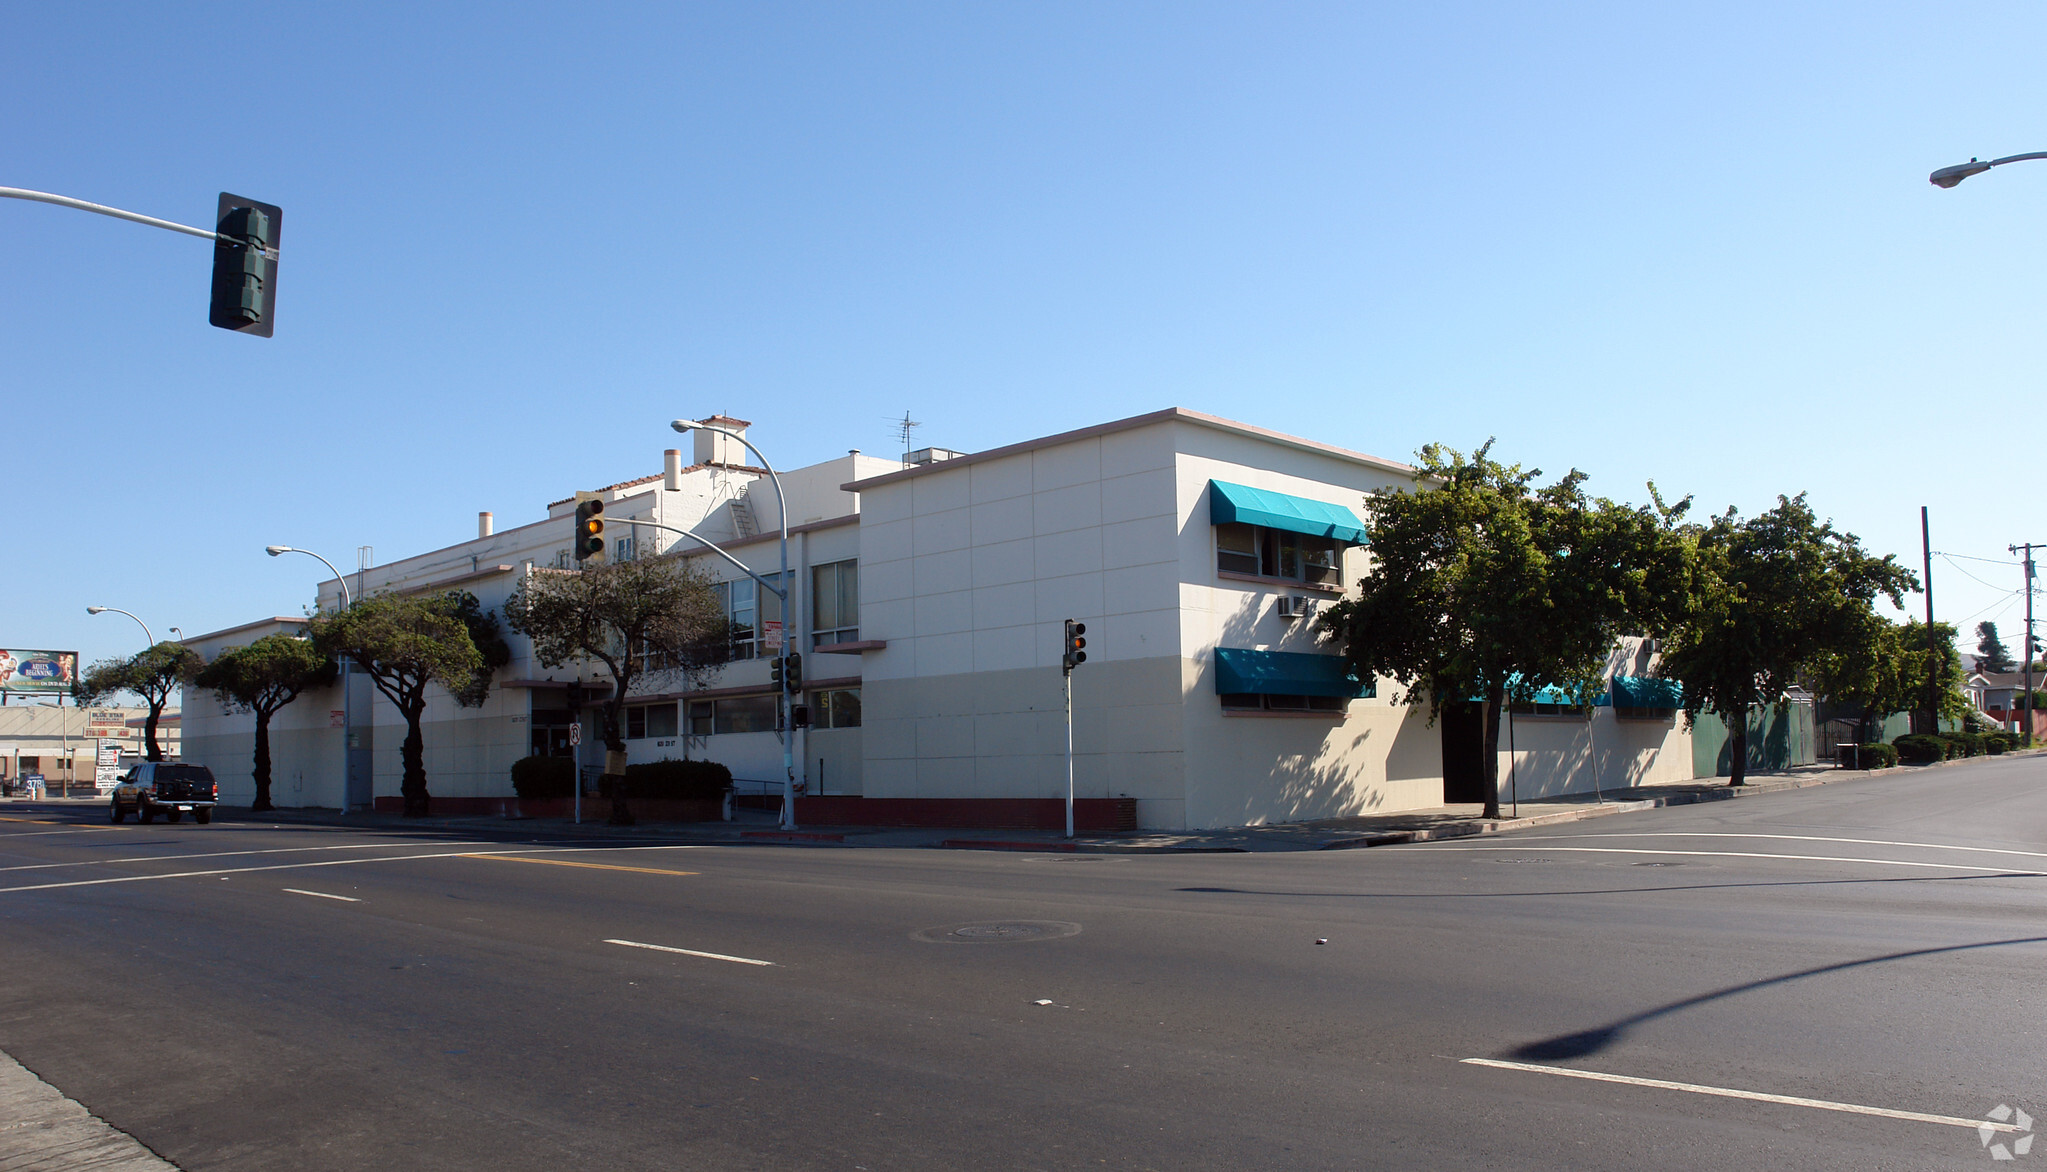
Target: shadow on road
{"x":1584,"y":1042}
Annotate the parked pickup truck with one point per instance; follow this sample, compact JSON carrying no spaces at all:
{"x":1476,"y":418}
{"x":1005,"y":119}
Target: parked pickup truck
{"x":163,"y":787}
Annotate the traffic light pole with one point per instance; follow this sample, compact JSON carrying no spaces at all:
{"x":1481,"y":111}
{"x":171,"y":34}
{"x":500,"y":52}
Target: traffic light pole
{"x":65,"y":201}
{"x":1066,"y":678}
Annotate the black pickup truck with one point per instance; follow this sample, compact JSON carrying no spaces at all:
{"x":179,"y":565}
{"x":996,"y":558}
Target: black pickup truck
{"x":164,"y":787}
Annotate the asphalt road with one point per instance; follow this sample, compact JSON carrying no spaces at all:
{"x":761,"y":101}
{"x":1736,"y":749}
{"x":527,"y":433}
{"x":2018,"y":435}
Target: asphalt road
{"x":249,"y":996}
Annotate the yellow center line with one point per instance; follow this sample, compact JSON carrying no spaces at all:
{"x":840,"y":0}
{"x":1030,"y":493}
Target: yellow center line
{"x":568,"y":863}
{"x":37,"y":821}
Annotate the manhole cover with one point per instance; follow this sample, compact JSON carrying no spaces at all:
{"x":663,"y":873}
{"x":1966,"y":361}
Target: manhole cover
{"x":997,"y":932}
{"x":1656,"y":864}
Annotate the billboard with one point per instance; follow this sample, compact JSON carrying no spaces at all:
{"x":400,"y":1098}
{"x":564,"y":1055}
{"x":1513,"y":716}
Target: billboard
{"x":37,"y":671}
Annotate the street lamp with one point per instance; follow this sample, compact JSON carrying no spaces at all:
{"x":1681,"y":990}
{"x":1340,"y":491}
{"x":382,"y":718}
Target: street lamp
{"x":1949,"y":176}
{"x":118,"y":610}
{"x":790,"y":624}
{"x":178,"y":633}
{"x":347,"y":693}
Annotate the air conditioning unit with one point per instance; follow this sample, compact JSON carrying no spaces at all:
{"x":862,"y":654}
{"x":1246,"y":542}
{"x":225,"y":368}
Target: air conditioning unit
{"x":1293,"y":606}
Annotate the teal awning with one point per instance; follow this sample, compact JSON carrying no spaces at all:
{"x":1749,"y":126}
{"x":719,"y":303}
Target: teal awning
{"x":1647,"y":692}
{"x":1283,"y":673}
{"x":1551,"y":695}
{"x":1276,"y":510}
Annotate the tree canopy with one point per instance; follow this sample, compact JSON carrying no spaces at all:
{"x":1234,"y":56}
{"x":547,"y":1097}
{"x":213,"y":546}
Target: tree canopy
{"x":404,"y":642}
{"x":1485,"y":587}
{"x":1773,"y":596}
{"x":262,"y":678}
{"x":1991,"y":653}
{"x":1881,"y":667}
{"x":153,"y":673}
{"x":641,"y":618}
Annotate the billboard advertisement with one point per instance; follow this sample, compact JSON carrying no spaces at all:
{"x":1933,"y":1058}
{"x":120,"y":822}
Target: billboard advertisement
{"x":47,"y":672}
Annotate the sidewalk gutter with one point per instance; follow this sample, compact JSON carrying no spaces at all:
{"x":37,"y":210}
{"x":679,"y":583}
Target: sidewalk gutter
{"x":41,"y":1129}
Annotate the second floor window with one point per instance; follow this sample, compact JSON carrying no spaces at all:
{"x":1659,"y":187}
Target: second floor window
{"x":1276,"y":553}
{"x":835,"y":603}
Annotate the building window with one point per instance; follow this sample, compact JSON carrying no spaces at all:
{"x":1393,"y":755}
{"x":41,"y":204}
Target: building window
{"x":624,"y":549}
{"x":562,"y":560}
{"x":835,"y":603}
{"x":1545,"y":708}
{"x":1276,"y":553}
{"x":751,"y":612}
{"x":838,"y":708}
{"x":1281,"y":702}
{"x":649,"y":720}
{"x":734,"y":714}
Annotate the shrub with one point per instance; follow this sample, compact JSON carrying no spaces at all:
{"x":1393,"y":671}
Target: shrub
{"x":1997,"y":743}
{"x":678,"y":779}
{"x":1974,"y":744}
{"x":1920,"y":748}
{"x":536,"y":778}
{"x":1877,"y":756}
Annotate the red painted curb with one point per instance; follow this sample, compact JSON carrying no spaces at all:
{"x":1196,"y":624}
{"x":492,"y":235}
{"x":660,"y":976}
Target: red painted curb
{"x":791,"y":836}
{"x":980,"y":844}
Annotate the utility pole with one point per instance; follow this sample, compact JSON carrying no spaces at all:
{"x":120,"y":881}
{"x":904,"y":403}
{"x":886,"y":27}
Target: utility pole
{"x":2027,"y":727}
{"x":1932,"y":639}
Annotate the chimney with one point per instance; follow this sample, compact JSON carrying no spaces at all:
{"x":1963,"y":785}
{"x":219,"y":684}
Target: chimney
{"x":713,"y":448}
{"x":671,"y":470}
{"x":485,"y":523}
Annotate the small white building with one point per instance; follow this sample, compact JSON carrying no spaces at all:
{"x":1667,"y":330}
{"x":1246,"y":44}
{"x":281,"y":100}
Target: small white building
{"x":931,"y":594}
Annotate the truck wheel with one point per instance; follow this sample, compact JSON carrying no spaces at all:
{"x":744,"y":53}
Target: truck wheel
{"x":173,"y":815}
{"x":144,"y":814}
{"x":202,"y":817}
{"x":114,"y":812}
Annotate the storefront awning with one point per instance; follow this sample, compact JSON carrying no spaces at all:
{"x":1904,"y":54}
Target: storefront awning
{"x":1647,"y":692}
{"x":1240,"y":670}
{"x":1276,"y":510}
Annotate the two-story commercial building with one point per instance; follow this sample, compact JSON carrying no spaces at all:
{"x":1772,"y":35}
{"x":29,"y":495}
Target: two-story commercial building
{"x":931,"y":595}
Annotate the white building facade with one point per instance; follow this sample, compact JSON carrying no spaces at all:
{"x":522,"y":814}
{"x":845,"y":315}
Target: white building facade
{"x":930,"y":609}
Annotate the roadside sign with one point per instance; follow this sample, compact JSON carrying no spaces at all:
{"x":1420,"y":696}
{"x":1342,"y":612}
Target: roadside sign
{"x":575,"y":734}
{"x":771,"y":634}
{"x":106,"y":771}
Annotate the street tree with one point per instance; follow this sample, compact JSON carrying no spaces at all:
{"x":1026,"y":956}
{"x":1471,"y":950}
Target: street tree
{"x":1485,"y":587}
{"x":641,"y":619}
{"x":1881,"y":667}
{"x":406,"y":642}
{"x":1991,"y":653}
{"x":153,"y":673}
{"x":261,"y":679}
{"x":1772,"y":597}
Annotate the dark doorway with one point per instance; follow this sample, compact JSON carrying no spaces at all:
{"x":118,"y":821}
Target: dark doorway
{"x":1463,"y":725}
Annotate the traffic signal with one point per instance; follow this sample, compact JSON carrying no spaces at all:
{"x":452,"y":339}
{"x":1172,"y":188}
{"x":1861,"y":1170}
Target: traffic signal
{"x":589,"y":527}
{"x":245,"y":265}
{"x":793,"y":672}
{"x":1074,"y":651}
{"x":775,"y":673}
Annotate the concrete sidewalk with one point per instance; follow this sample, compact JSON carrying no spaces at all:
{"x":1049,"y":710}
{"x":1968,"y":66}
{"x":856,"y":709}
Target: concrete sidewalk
{"x":1453,"y":821}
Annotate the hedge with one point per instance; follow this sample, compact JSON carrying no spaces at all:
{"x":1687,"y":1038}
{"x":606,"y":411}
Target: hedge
{"x":1876,"y":756}
{"x":675,"y":779}
{"x":536,"y":778}
{"x":1921,"y":748}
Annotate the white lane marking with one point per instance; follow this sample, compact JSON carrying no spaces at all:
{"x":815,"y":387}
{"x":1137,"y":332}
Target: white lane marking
{"x":323,"y":895}
{"x":237,"y":871}
{"x":1732,"y":1093}
{"x":1621,"y":850}
{"x":280,"y":850}
{"x":694,"y":952}
{"x":1931,"y":846}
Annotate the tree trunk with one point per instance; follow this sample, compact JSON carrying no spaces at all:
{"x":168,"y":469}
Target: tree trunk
{"x":1737,"y":748}
{"x":413,"y":753}
{"x":262,"y":771}
{"x":1494,"y":704}
{"x":614,"y":742}
{"x":149,"y":730}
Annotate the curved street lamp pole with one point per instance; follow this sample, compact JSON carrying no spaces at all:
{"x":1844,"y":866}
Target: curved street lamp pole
{"x":789,"y":623}
{"x":1949,"y":176}
{"x":118,"y":610}
{"x":347,"y":692}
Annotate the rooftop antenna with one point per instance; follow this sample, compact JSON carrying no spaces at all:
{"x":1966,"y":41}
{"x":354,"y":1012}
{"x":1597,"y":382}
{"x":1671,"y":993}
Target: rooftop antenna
{"x":905,"y":427}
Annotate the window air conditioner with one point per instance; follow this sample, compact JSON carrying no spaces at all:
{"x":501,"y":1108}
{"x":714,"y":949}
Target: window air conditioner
{"x":1292,"y":606}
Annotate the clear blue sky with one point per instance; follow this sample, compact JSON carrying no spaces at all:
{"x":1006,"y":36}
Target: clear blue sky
{"x":1693,"y":243}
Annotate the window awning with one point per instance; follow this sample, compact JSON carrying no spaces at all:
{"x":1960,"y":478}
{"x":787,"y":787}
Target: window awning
{"x":1552,"y":695}
{"x":1647,"y":692}
{"x":1241,"y":670}
{"x":1276,"y":510}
